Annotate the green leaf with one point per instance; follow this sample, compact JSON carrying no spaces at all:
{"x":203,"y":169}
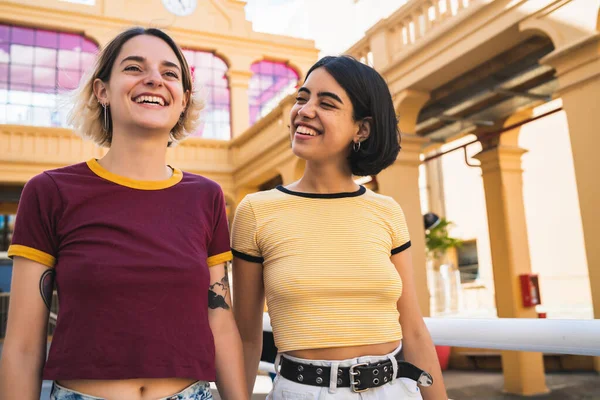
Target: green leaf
{"x":438,"y":241}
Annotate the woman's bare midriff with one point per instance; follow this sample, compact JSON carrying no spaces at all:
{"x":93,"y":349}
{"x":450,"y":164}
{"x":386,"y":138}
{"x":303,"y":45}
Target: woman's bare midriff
{"x":129,"y":389}
{"x":344,"y":353}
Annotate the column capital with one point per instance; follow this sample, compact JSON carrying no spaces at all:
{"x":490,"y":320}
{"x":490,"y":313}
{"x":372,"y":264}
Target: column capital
{"x":501,"y":158}
{"x":238,"y":78}
{"x":240,"y":61}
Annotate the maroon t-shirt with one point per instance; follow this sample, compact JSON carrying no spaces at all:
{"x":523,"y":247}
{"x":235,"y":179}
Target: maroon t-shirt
{"x":132,"y":265}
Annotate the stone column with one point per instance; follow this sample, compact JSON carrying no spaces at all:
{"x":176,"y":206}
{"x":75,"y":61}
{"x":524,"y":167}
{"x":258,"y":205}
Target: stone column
{"x":503,"y":184}
{"x":240,"y":109}
{"x":401,"y":181}
{"x":578,"y":73}
{"x":435,"y":187}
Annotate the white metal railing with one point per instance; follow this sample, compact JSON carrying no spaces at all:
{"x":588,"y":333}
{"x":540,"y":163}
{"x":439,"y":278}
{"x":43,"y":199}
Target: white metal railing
{"x":577,"y":337}
{"x":266,"y":367}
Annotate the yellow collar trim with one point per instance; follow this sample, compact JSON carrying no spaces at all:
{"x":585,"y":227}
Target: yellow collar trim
{"x":96,"y":168}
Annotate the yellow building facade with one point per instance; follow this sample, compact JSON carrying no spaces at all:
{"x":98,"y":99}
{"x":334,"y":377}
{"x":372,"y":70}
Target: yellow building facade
{"x":214,"y":27}
{"x":454,"y":67}
{"x":483,"y":68}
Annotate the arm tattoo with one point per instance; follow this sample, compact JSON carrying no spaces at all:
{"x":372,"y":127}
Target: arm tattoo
{"x":217,"y":294}
{"x":47,"y":286}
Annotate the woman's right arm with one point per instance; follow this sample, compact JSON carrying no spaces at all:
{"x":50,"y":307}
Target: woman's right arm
{"x":24,"y":349}
{"x":248,"y":307}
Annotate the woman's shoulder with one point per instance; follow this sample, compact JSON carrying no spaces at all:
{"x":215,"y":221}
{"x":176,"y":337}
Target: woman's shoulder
{"x":199,"y":179}
{"x":201,"y":184}
{"x":51,"y":178}
{"x":263,"y":200}
{"x":381,"y":199}
{"x":264,"y":196}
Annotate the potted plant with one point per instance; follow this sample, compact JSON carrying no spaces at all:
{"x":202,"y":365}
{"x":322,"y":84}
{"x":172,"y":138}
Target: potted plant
{"x":437,"y":239}
{"x":437,"y":242}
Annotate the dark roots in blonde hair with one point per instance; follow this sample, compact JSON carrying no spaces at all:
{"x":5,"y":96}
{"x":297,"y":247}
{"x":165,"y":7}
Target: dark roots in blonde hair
{"x":87,"y":114}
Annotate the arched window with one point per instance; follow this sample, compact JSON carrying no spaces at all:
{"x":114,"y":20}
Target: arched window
{"x":210,"y":75}
{"x":37,"y":67}
{"x":270,"y":83}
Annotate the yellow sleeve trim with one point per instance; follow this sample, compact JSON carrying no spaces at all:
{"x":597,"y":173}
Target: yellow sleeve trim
{"x":219,"y":259}
{"x":31,"y":254}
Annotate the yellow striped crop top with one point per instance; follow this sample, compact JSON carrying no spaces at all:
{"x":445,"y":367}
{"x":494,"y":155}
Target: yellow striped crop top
{"x":329,"y":280}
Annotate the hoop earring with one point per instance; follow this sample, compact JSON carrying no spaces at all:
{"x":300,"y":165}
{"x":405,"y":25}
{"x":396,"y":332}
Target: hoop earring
{"x":356,"y":147}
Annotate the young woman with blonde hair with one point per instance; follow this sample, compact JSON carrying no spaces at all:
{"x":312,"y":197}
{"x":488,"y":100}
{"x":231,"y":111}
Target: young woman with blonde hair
{"x":136,"y":248}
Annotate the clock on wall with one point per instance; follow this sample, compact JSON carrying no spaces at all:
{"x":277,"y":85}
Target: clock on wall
{"x":180,"y":8}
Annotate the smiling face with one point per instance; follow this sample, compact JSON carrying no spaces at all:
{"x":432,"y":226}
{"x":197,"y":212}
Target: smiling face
{"x":145,"y":88}
{"x":322,"y":122}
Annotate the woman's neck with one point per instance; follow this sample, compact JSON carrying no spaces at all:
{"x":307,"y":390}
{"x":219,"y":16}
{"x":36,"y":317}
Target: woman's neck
{"x":139,"y":158}
{"x":325,"y":178}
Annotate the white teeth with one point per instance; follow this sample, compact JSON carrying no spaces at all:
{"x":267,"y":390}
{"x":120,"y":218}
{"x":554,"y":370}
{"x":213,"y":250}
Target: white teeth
{"x":150,"y":99}
{"x":305,"y":130}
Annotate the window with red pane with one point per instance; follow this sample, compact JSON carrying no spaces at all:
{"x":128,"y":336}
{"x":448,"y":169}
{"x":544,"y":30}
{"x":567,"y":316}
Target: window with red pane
{"x":37,"y":69}
{"x":270,"y":83}
{"x":210,"y":76}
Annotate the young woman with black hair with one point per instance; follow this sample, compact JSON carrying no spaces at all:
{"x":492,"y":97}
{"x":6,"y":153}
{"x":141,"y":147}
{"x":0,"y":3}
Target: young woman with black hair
{"x":333,"y":258}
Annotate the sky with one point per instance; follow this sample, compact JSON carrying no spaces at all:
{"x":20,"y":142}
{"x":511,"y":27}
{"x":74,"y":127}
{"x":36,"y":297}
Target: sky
{"x":334,"y":25}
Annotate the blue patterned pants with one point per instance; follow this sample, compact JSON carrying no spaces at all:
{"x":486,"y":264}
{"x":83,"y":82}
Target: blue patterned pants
{"x":197,"y":391}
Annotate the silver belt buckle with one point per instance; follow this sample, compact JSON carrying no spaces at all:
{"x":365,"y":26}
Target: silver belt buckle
{"x":355,"y":383}
{"x":425,"y":379}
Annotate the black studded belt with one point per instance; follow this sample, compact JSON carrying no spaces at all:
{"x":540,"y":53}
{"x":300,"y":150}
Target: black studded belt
{"x":359,"y":377}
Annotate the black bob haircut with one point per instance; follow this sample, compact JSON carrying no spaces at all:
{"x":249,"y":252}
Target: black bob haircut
{"x":370,"y":98}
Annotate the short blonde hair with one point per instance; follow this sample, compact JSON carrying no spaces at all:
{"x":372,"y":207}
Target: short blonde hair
{"x":87,"y":115}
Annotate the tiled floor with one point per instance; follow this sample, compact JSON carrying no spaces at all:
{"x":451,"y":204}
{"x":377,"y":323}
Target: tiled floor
{"x":488,"y":386}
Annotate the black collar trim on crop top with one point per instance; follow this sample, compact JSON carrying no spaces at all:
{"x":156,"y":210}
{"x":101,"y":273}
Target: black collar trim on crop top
{"x":359,"y":192}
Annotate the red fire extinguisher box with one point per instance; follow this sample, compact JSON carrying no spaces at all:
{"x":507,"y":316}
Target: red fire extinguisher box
{"x":530,"y":290}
